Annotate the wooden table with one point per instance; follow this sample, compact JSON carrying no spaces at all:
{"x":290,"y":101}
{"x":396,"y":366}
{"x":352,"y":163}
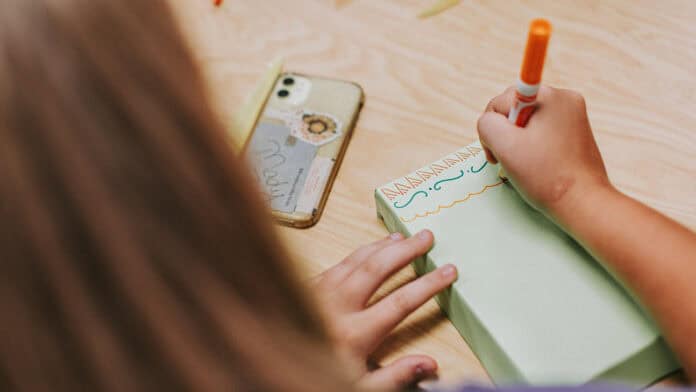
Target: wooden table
{"x":426,"y":83}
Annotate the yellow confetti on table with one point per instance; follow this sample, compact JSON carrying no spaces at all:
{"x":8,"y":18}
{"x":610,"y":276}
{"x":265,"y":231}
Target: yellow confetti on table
{"x":245,"y":118}
{"x":438,"y":7}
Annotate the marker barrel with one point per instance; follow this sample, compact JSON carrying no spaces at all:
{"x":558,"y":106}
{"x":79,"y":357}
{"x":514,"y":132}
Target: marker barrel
{"x":525,"y":100}
{"x":530,"y":75}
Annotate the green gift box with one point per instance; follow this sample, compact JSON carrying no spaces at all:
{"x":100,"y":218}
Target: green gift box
{"x":532,"y":304}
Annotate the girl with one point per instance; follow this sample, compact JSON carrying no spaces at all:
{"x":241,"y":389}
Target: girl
{"x":134,"y":257}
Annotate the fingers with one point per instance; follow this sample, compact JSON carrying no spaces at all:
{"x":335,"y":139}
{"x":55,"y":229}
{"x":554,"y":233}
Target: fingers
{"x":503,"y":102}
{"x":547,"y":92}
{"x":501,"y":105}
{"x":336,"y":274}
{"x":382,"y":317}
{"x":497,"y":134}
{"x":400,"y":374}
{"x":489,"y":155}
{"x":364,"y":252}
{"x":368,"y":276}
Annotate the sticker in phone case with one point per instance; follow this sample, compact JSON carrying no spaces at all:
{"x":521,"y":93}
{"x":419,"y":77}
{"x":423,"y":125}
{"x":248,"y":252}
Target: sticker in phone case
{"x":312,"y":127}
{"x":286,"y":116}
{"x":317,"y":177}
{"x":281,"y":163}
{"x":317,"y":128}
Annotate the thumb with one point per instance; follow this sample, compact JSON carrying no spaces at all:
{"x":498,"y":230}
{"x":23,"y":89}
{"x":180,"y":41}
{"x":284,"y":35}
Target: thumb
{"x":497,"y":135}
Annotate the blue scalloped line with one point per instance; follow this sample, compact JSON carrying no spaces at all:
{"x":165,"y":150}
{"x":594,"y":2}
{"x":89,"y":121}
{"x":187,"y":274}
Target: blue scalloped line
{"x":413,"y":196}
{"x":480,"y":168}
{"x":437,"y":186}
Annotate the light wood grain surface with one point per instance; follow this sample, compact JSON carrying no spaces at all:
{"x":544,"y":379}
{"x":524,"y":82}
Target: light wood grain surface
{"x":426,"y":83}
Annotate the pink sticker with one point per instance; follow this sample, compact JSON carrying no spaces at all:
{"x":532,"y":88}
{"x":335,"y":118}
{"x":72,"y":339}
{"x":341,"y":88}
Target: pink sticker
{"x":314,"y":185}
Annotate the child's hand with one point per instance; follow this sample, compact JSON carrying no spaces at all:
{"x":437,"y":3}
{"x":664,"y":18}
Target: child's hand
{"x":357,"y":329}
{"x":555,"y":156}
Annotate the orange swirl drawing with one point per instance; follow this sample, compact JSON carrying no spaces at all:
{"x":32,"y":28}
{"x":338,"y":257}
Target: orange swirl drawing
{"x":440,"y":208}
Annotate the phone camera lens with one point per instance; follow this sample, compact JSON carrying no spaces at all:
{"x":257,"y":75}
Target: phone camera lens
{"x":283,"y":93}
{"x":288,"y":81}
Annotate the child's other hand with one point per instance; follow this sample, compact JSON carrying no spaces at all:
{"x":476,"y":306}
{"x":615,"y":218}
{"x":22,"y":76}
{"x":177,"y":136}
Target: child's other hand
{"x":555,"y":156}
{"x":344,"y":290}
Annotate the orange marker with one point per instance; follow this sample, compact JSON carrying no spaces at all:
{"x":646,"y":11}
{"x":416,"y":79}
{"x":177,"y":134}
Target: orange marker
{"x":530,"y":74}
{"x":217,"y":2}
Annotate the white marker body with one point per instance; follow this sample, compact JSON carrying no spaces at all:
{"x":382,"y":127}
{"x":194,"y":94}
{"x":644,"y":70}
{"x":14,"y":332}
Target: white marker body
{"x":521,"y":110}
{"x":525,"y":97}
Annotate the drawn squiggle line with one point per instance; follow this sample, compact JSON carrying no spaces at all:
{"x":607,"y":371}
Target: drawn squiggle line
{"x":437,"y":186}
{"x":440,"y":208}
{"x":413,"y":196}
{"x":479,"y":169}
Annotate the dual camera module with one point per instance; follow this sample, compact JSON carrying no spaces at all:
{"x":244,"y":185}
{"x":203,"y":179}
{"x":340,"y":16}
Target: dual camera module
{"x":284,"y":93}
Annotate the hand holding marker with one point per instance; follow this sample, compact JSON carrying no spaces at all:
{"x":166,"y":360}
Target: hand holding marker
{"x":530,"y":74}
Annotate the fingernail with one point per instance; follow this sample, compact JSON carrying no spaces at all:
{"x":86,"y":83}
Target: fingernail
{"x":396,"y":236}
{"x":448,"y":271}
{"x":424,"y":234}
{"x":424,"y":369}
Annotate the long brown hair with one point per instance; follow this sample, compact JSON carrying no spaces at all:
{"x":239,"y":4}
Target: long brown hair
{"x":133,"y":254}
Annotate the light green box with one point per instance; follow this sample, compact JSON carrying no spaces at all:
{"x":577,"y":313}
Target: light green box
{"x":532,"y":304}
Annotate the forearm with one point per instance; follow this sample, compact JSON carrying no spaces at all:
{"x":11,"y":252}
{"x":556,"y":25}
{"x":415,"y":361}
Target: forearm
{"x":653,"y":255}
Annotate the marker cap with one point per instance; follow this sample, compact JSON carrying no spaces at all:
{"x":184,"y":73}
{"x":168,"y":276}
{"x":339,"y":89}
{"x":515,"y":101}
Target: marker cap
{"x":535,"y":53}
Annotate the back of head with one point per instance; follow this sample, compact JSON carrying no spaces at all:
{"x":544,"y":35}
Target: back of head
{"x":133,"y":254}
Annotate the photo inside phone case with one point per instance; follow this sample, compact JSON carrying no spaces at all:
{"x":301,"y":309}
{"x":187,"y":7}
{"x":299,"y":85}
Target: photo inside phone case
{"x":298,"y":142}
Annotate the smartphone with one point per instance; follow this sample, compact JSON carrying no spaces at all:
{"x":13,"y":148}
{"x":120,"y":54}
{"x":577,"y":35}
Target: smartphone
{"x":298,"y":143}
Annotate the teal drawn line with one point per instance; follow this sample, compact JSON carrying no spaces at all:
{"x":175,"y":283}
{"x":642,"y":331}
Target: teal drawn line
{"x":480,"y":168}
{"x":437,"y":186}
{"x":413,"y":196}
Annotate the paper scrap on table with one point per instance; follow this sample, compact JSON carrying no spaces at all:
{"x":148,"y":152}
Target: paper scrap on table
{"x":438,"y":7}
